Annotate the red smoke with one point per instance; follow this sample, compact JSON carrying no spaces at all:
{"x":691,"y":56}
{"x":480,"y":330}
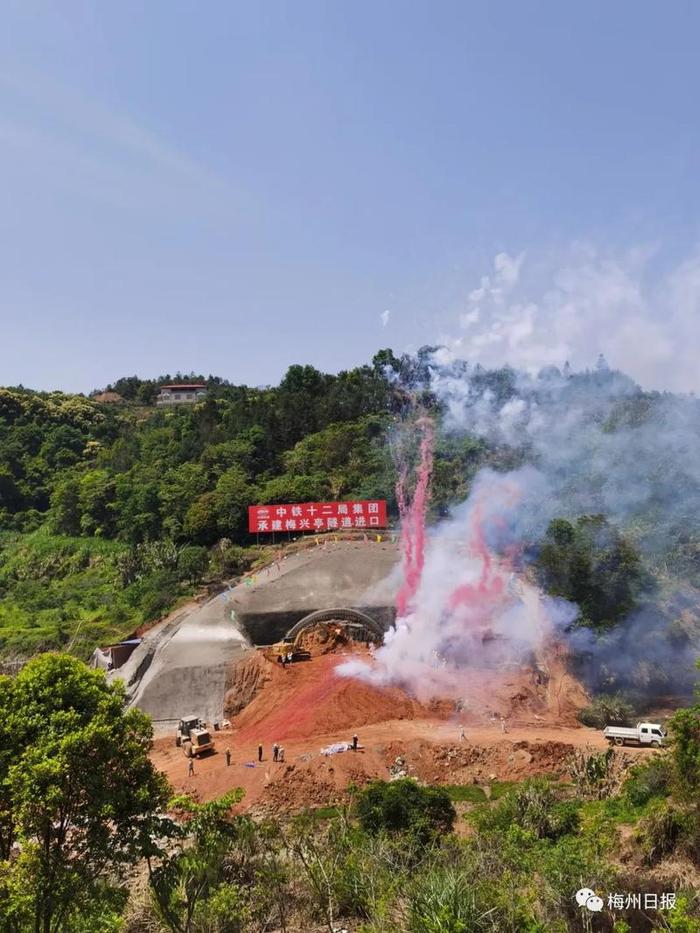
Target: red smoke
{"x":412,"y":516}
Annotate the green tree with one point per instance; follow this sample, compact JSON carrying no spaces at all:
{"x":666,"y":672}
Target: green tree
{"x":192,"y":563}
{"x":232,"y":496}
{"x":189,"y":881}
{"x":201,"y":519}
{"x":347,"y":455}
{"x":96,"y":500}
{"x":137,"y":507}
{"x":180,"y":487}
{"x":403,"y":806}
{"x":10,"y":494}
{"x":65,"y":506}
{"x":594,"y":566}
{"x":78,"y":793}
{"x":288,"y":488}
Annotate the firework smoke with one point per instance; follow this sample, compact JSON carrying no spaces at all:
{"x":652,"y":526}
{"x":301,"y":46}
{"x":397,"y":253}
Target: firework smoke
{"x":412,"y":514}
{"x":597,"y":445}
{"x":468,"y":609}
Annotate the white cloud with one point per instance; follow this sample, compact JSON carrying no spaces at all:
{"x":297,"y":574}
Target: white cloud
{"x":384,"y":317}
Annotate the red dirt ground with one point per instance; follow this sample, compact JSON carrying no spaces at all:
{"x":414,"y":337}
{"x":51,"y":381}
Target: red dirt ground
{"x":306,"y":707}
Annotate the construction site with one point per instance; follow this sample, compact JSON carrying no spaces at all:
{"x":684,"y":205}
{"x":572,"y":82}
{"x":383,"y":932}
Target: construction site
{"x":265,"y":662}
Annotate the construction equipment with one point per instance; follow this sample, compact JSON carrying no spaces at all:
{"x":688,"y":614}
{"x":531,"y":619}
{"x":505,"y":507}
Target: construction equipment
{"x":288,"y":649}
{"x":193,"y":736}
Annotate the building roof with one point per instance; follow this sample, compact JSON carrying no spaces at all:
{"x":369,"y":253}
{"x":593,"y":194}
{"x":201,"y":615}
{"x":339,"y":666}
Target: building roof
{"x":195,"y":385}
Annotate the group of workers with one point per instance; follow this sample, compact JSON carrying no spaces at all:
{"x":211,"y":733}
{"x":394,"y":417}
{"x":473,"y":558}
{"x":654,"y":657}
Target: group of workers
{"x":277,"y":752}
{"x":277,"y":755}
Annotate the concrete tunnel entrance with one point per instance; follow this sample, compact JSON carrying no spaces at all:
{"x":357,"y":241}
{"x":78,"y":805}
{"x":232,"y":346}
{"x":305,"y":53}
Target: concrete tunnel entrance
{"x":359,"y":625}
{"x":184,"y":664}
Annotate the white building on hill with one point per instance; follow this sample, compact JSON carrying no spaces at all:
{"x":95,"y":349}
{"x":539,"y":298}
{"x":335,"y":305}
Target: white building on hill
{"x":183,"y":394}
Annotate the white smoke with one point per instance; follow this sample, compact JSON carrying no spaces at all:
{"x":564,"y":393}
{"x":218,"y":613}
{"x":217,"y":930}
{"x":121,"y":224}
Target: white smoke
{"x":471,"y":610}
{"x":595,"y":444}
{"x":600,"y":443}
{"x":532,"y":313}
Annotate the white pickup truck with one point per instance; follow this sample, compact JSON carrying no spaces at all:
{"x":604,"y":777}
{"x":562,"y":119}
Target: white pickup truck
{"x":644,"y":733}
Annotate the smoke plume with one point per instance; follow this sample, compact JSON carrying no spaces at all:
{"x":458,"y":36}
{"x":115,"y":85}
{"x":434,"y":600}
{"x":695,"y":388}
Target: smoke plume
{"x":589,"y":443}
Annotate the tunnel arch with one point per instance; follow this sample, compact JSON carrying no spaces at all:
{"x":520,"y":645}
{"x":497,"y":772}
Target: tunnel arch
{"x":336,"y":615}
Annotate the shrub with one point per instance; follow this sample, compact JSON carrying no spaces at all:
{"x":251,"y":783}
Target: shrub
{"x":685,"y":728}
{"x":192,"y":563}
{"x":533,"y":807}
{"x":404,"y":806}
{"x":154,"y":594}
{"x":648,"y":780}
{"x":234,"y":559}
{"x":445,"y":900}
{"x":596,"y":774}
{"x":607,"y":710}
{"x":665,"y":829}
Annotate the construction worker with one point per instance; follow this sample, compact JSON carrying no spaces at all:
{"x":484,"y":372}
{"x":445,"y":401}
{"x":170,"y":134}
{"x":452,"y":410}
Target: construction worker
{"x":503,"y":726}
{"x":228,"y":757}
{"x":280,"y":754}
{"x":275,"y":751}
{"x":354,"y":742}
{"x":260,"y":751}
{"x":190,"y":768}
{"x":462,"y":735}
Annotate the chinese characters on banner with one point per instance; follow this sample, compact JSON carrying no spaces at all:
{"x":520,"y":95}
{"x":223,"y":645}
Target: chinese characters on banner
{"x":317,"y":516}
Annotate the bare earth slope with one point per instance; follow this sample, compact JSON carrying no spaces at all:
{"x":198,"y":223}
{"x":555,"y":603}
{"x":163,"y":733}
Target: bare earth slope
{"x":307,"y":707}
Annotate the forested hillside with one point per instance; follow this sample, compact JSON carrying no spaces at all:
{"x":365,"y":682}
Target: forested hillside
{"x":111,"y":511}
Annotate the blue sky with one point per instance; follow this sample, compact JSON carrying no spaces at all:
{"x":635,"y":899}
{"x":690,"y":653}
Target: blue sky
{"x":234,"y":187}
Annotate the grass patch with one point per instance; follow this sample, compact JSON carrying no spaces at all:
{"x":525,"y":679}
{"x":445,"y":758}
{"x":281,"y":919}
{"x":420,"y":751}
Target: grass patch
{"x":499,"y":789}
{"x":465,"y":793}
{"x":326,"y":813}
{"x":616,"y":810}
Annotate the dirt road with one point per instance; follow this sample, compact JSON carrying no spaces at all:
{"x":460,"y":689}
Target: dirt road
{"x":431,"y":750}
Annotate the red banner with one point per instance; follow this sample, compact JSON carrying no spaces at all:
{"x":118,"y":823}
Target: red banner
{"x":318,"y":516}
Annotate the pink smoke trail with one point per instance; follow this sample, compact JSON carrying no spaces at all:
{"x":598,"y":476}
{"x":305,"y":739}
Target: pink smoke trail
{"x":489,"y":583}
{"x":413,"y":518}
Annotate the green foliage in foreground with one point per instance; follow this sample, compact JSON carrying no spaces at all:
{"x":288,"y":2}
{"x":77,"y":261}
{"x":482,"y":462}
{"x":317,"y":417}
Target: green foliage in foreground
{"x":404,"y":806}
{"x":78,"y":794}
{"x":85,"y":844}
